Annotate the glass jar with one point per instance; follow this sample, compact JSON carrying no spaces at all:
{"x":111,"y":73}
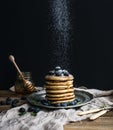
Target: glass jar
{"x":19,"y":84}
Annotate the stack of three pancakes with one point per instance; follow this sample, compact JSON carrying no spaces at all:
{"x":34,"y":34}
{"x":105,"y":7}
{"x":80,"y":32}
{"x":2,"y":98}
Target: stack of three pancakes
{"x":59,"y":86}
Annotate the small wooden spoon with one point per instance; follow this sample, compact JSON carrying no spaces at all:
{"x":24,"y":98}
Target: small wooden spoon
{"x":28,"y":85}
{"x":96,"y":115}
{"x":12,"y":59}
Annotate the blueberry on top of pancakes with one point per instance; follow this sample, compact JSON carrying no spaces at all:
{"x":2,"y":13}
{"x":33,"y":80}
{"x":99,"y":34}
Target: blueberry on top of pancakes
{"x":51,"y":72}
{"x":57,"y":68}
{"x":65,"y":72}
{"x":59,"y":72}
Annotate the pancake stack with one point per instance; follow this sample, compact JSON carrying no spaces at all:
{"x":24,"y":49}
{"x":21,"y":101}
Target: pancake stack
{"x":59,"y":86}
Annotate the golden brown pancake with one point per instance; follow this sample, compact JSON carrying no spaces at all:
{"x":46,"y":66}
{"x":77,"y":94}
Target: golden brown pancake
{"x":58,"y":87}
{"x":69,"y":82}
{"x":60,"y":95}
{"x":60,"y":98}
{"x":60,"y":91}
{"x":67,"y":100}
{"x":59,"y":78}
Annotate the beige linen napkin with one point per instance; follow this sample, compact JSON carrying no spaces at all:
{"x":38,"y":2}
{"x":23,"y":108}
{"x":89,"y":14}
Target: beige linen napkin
{"x":54,"y":119}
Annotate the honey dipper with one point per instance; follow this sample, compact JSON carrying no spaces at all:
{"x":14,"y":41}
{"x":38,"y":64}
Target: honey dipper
{"x":28,"y":85}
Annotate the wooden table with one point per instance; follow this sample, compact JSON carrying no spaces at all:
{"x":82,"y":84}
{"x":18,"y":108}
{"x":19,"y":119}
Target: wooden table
{"x":104,"y":122}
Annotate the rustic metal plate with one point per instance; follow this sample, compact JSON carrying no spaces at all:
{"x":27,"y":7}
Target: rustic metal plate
{"x":83,"y":96}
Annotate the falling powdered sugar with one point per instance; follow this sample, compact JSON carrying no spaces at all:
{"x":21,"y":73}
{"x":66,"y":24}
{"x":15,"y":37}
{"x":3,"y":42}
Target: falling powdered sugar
{"x":60,"y":31}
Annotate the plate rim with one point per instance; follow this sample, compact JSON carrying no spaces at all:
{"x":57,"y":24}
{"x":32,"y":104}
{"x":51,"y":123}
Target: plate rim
{"x":90,"y":95}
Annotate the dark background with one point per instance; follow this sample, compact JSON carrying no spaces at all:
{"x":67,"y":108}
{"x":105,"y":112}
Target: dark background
{"x":25,"y":34}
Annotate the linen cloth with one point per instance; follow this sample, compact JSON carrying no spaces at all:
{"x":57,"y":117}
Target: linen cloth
{"x":53,"y":119}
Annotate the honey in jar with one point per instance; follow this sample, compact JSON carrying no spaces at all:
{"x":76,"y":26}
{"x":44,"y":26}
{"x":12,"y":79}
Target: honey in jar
{"x":19,"y":84}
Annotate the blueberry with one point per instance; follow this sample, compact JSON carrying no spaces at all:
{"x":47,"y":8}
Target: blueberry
{"x":64,"y":104}
{"x":57,"y":68}
{"x":36,"y":109}
{"x":73,"y":103}
{"x":57,"y":105}
{"x":15,"y":101}
{"x":45,"y":102}
{"x":52,"y":72}
{"x":33,"y":109}
{"x":58,"y":73}
{"x":8,"y":99}
{"x":22,"y":109}
{"x":77,"y":99}
{"x":8,"y":102}
{"x":30,"y":109}
{"x":66,"y":73}
{"x":14,"y":105}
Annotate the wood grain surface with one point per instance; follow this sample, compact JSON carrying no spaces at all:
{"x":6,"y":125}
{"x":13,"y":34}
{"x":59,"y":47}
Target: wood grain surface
{"x":7,"y":93}
{"x":104,"y":122}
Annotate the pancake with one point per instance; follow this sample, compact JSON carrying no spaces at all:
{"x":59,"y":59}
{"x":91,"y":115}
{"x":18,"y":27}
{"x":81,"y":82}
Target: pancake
{"x":60,"y":91}
{"x":58,"y":87}
{"x":60,"y":95}
{"x":60,"y":98}
{"x":59,"y":78}
{"x":59,"y":82}
{"x":62,"y":101}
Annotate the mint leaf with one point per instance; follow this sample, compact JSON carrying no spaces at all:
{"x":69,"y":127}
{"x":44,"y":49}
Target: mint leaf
{"x":22,"y":113}
{"x":33,"y":113}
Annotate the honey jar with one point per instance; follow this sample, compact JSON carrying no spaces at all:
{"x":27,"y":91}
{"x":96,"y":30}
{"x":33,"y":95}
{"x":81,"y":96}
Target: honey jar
{"x":19,"y":84}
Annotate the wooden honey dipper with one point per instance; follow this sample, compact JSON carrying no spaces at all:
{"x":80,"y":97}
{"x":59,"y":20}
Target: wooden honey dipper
{"x":27,"y":84}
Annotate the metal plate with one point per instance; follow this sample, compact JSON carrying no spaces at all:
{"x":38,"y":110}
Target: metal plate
{"x":83,"y":96}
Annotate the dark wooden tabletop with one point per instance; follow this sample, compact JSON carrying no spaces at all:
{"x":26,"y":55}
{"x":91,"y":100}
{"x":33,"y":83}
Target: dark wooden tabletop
{"x":104,"y":122}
